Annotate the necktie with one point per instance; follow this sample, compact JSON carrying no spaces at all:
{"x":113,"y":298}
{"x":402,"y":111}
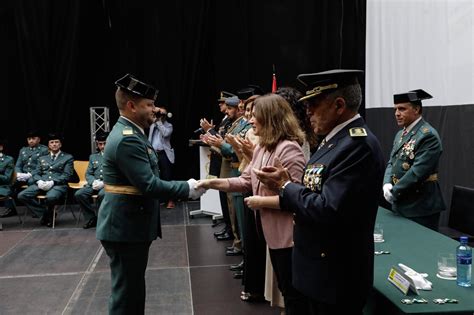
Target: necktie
{"x":404,"y":133}
{"x":53,"y":157}
{"x":322,"y":144}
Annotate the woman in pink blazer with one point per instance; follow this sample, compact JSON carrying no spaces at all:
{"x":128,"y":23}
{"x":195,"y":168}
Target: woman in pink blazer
{"x":280,"y":139}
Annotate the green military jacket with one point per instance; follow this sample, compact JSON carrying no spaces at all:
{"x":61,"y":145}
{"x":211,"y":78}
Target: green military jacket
{"x":131,"y":165}
{"x":28,"y":158}
{"x":60,"y":170}
{"x":6,"y":172}
{"x":413,"y":171}
{"x":94,"y":169}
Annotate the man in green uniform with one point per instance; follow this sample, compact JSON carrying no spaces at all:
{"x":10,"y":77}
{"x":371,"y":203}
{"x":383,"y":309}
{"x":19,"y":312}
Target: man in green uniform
{"x":26,"y":164}
{"x":7,"y":165}
{"x":50,"y":177}
{"x":411,"y":177}
{"x":95,"y":183}
{"x":129,"y":216}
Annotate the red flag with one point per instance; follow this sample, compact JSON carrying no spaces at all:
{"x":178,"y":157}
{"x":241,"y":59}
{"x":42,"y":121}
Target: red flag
{"x":274,"y":80}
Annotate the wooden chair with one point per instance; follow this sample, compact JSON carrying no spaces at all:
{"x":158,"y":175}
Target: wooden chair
{"x":81,"y":168}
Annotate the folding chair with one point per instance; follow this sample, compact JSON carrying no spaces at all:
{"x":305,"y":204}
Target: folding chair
{"x":81,"y":168}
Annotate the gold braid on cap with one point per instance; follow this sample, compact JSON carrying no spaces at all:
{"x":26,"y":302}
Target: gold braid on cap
{"x":319,"y":89}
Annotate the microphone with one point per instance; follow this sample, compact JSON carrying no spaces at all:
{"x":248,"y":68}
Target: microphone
{"x":199,"y":130}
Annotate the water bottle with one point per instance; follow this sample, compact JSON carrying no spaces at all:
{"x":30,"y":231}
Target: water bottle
{"x":464,"y":262}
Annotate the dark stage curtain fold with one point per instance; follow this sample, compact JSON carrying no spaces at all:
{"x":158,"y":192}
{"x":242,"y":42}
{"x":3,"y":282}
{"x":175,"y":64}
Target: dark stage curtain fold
{"x":63,"y":57}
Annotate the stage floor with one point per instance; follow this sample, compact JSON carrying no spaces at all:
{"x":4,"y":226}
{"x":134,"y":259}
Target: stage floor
{"x":65,"y":270}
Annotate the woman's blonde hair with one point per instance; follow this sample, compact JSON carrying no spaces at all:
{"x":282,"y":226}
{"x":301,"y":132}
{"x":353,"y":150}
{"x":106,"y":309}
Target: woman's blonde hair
{"x":278,"y":121}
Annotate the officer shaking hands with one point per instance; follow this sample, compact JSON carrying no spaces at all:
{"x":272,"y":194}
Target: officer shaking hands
{"x":129,"y":216}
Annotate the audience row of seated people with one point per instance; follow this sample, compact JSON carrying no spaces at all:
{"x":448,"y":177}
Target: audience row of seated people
{"x":47,"y":170}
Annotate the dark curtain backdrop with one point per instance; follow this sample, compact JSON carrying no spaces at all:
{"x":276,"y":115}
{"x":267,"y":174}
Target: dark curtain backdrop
{"x":62,"y":57}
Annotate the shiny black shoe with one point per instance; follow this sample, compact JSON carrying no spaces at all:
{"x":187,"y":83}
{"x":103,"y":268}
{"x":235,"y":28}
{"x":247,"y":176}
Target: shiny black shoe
{"x":91,"y":223}
{"x":229,"y":247}
{"x":224,"y":230}
{"x":9,"y":212}
{"x":237,"y":267}
{"x":239,"y":274}
{"x":234,"y":252}
{"x":224,"y":237}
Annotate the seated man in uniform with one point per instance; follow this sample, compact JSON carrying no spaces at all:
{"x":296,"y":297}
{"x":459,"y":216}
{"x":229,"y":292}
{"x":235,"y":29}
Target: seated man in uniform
{"x":95,"y":182}
{"x":26,"y":164}
{"x":51,"y":177}
{"x":6,"y":172}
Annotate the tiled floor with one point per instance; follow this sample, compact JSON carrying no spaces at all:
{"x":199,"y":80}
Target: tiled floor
{"x":65,"y":270}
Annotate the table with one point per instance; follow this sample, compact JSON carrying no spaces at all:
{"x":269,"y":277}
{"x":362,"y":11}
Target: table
{"x":416,"y":247}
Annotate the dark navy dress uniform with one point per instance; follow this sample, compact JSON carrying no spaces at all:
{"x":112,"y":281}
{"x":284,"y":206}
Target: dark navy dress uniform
{"x":334,"y":215}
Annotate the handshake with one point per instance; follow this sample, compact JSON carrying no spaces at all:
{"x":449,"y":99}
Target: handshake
{"x":23,"y":177}
{"x":45,"y":185}
{"x":194,"y":190}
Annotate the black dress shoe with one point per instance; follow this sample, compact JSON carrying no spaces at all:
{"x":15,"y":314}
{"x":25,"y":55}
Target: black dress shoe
{"x":236,"y":267}
{"x":224,"y":237}
{"x":233,"y":252}
{"x":220,"y":232}
{"x":9,"y":212}
{"x":229,"y":247}
{"x":239,"y":274}
{"x":44,"y":220}
{"x":91,"y":223}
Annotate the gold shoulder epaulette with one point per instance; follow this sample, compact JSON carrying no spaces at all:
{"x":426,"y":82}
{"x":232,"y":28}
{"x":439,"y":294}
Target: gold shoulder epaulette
{"x":127,"y":131}
{"x":358,"y":132}
{"x":425,"y":129}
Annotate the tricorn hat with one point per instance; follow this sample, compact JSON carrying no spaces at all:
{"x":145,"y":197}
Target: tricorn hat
{"x":101,"y":135}
{"x":415,"y":97}
{"x":133,"y":85}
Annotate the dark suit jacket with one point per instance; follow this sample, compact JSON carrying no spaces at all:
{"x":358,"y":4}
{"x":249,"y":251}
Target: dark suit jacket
{"x":129,"y":160}
{"x":413,"y":159}
{"x":334,"y":218}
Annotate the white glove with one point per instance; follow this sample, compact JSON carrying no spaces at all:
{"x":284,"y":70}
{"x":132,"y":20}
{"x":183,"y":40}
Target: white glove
{"x":21,"y":177}
{"x":41,"y":184}
{"x":387,"y":192}
{"x":193,"y":192}
{"x":27,"y":176}
{"x":48,"y":184}
{"x":419,"y":279}
{"x":97,"y":184}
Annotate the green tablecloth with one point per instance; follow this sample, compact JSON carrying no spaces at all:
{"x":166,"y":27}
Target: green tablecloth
{"x":417,"y":247}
